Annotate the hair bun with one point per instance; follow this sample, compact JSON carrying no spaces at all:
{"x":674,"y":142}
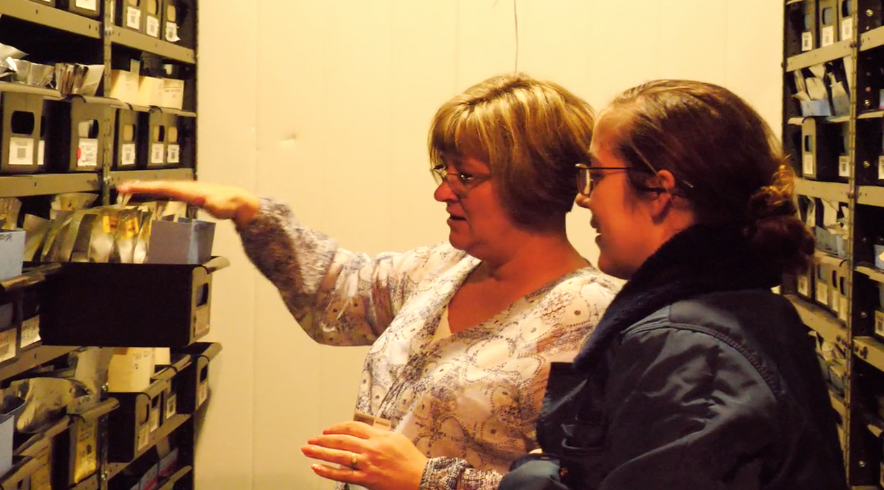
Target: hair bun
{"x":769,"y":202}
{"x":775,"y":231}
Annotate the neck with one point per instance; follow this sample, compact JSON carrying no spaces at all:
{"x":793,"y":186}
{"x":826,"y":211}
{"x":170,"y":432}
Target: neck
{"x":539,"y":257}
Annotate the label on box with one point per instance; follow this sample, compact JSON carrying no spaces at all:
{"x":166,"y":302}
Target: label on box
{"x":172,"y":32}
{"x":807,"y":164}
{"x":836,"y":302}
{"x":171,"y":406}
{"x":127,"y":154}
{"x":41,"y":152}
{"x":844,"y":166}
{"x":842,"y":310}
{"x":21,"y":151}
{"x":879,"y":323}
{"x":87,"y":460}
{"x":202,"y":393}
{"x":828,"y":36}
{"x":173,"y":154}
{"x":806,"y":41}
{"x":143,"y":437}
{"x":7,"y":345}
{"x":30,"y":331}
{"x":157,"y":153}
{"x":87,"y":4}
{"x":881,"y":167}
{"x":153,"y":26}
{"x":847,"y":28}
{"x":87,"y":154}
{"x":803,"y":286}
{"x":154,"y":419}
{"x":822,"y":293}
{"x":133,"y":17}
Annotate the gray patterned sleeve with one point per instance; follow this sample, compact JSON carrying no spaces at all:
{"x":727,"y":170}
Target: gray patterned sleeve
{"x":457,"y":474}
{"x":337,"y":296}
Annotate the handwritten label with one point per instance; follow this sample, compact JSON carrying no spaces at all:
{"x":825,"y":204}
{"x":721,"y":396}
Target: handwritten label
{"x":30,"y":331}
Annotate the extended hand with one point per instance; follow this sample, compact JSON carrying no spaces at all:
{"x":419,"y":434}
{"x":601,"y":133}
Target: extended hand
{"x":383,"y":460}
{"x":221,"y":201}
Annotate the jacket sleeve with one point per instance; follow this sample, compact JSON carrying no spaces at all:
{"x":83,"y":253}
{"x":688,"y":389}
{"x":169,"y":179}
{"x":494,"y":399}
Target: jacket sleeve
{"x":337,"y":296}
{"x":534,"y":474}
{"x":685,"y":410}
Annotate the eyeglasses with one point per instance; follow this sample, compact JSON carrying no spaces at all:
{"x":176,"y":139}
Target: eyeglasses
{"x":588,"y":177}
{"x":459,"y":182}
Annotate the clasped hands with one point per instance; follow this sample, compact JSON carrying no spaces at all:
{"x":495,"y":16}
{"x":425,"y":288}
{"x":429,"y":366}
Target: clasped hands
{"x":372,"y":458}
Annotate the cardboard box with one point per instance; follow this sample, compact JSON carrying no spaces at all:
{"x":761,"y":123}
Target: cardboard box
{"x":186,"y":241}
{"x":173,"y":93}
{"x":124,"y":86}
{"x":150,"y":91}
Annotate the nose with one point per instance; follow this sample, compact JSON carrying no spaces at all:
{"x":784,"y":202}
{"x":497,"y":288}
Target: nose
{"x":582,"y":200}
{"x":444,"y":193}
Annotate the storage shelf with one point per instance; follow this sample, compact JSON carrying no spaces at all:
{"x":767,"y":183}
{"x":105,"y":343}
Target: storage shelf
{"x":870,"y":350}
{"x":820,"y":320}
{"x":35,"y":13}
{"x":821,"y":55}
{"x":143,"y":42}
{"x":169,"y":484}
{"x":870,"y":195}
{"x":91,"y":483}
{"x":871,"y":115}
{"x":838,"y":404}
{"x":120,"y":176}
{"x":168,"y":427}
{"x":830,"y":191}
{"x":44,"y":184}
{"x":871,"y":39}
{"x":798,"y":121}
{"x":32,"y":358}
{"x":871,"y":272}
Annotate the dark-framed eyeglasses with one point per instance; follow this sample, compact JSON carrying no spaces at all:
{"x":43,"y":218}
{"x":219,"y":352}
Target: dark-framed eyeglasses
{"x":459,"y":182}
{"x":588,"y":177}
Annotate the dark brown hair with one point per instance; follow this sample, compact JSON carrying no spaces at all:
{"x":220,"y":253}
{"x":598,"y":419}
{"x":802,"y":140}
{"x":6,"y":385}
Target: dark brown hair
{"x":530,"y":132}
{"x":725,"y":159}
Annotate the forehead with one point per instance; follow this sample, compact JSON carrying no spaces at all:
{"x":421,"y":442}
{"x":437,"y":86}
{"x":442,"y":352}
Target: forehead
{"x":605,"y":136}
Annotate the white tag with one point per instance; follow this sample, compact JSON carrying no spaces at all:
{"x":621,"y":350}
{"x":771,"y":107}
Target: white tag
{"x":806,"y":41}
{"x":41,"y":152}
{"x":172,"y":32}
{"x":30,"y":331}
{"x":847,"y":29}
{"x":842,"y":310}
{"x":7,"y":345}
{"x":21,"y":151}
{"x":133,"y":18}
{"x":844,"y":166}
{"x":879,"y":323}
{"x":173,"y":154}
{"x":87,"y":4}
{"x":822,"y":293}
{"x":143,"y":437}
{"x":828,"y":36}
{"x":153,"y":26}
{"x":87,"y":156}
{"x":171,"y":406}
{"x":202,"y":393}
{"x":154,"y":419}
{"x":836,"y":301}
{"x":803,"y":286}
{"x":127,"y":154}
{"x":881,"y":167}
{"x":808,"y":167}
{"x":157,"y":153}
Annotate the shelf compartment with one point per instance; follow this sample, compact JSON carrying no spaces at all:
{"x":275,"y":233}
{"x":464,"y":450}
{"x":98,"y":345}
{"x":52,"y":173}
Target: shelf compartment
{"x":821,"y":55}
{"x":136,"y":424}
{"x":870,"y":350}
{"x":33,"y":12}
{"x":820,"y":320}
{"x":46,"y":184}
{"x":192,"y":389}
{"x":830,"y":191}
{"x":135,"y":40}
{"x":113,"y":469}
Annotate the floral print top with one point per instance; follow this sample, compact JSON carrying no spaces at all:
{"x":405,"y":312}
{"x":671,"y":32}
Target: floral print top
{"x":469,"y":401}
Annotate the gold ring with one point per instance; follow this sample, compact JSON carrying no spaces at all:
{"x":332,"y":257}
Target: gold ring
{"x":353,"y":462}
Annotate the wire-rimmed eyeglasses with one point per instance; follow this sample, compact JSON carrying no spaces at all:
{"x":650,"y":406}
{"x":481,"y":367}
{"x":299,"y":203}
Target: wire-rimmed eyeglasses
{"x":459,"y":182}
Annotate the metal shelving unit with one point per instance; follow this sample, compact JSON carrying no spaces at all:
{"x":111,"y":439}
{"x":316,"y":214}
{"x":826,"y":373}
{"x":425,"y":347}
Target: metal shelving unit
{"x":817,"y":56}
{"x":135,"y":40}
{"x":830,"y":191}
{"x":35,"y":13}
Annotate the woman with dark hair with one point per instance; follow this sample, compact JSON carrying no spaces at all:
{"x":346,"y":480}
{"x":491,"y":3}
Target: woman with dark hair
{"x":698,"y":376}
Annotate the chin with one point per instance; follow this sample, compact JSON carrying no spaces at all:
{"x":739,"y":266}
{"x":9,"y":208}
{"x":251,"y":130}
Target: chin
{"x":613,"y":269}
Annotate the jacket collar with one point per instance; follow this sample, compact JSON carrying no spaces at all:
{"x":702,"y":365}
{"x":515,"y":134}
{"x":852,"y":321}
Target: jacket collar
{"x":701,"y":259}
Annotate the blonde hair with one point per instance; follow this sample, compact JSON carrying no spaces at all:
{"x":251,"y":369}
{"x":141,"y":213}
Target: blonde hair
{"x":529,"y":132}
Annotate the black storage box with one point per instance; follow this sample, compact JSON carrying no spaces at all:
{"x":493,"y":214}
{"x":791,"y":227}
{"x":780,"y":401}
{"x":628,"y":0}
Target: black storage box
{"x":79,"y":448}
{"x":819,"y":149}
{"x":87,"y":8}
{"x":22,"y":115}
{"x":135,"y":424}
{"x":76,"y":138}
{"x":152,"y":13}
{"x":128,"y":305}
{"x":194,"y":384}
{"x":129,"y":14}
{"x":128,"y":151}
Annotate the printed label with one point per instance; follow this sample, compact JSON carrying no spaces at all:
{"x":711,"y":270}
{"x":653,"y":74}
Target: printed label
{"x":844,"y":166}
{"x":133,"y":18}
{"x":803,"y":286}
{"x":879,"y":323}
{"x":143,"y":437}
{"x":127,"y":154}
{"x":87,"y":4}
{"x":822,"y":293}
{"x":842,"y":310}
{"x":41,"y":152}
{"x":157,"y":153}
{"x":30,"y":331}
{"x":88,"y":154}
{"x":153,"y":26}
{"x":172,"y":32}
{"x":828,"y":36}
{"x":808,"y":167}
{"x":154,"y":419}
{"x":171,"y":406}
{"x":881,"y":167}
{"x":173,"y":154}
{"x":847,"y":29}
{"x":87,"y":460}
{"x":836,"y":302}
{"x":806,"y":41}
{"x":21,"y":151}
{"x":202,"y":393}
{"x":7,"y":345}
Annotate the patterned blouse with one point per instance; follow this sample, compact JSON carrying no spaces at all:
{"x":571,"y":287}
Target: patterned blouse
{"x":469,"y":401}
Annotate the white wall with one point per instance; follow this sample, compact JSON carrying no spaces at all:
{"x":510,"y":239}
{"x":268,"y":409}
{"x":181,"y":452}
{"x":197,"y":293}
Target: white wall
{"x":326,"y":104}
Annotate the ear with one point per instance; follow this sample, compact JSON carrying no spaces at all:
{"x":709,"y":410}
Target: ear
{"x":662,"y":202}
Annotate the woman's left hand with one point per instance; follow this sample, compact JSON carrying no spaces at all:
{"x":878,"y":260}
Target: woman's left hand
{"x":383,"y":460}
